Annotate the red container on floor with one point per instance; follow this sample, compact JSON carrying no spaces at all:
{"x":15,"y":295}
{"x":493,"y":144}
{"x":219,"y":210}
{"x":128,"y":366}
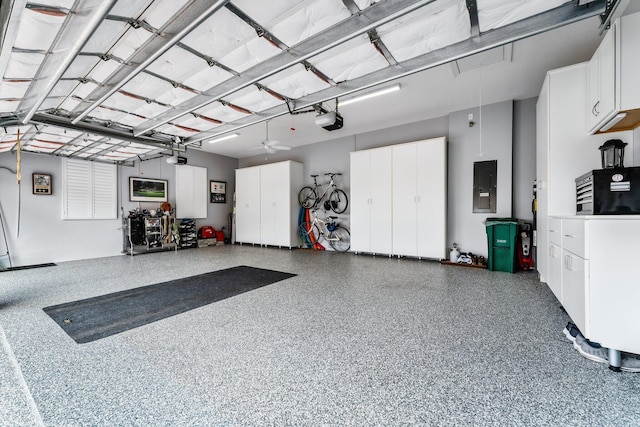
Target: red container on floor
{"x":206,"y":232}
{"x":220,"y":236}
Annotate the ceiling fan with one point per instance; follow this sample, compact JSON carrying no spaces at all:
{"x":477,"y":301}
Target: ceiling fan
{"x":271,"y":146}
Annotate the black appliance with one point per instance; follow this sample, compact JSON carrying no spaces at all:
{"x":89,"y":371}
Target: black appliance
{"x":614,"y":191}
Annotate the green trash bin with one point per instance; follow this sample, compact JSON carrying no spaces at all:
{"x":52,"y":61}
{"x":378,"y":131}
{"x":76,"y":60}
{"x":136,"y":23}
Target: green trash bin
{"x":501,"y":239}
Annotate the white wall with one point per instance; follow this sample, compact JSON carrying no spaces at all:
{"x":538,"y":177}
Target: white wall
{"x":524,"y":157}
{"x":489,"y":139}
{"x":465,"y":228}
{"x":45,"y":237}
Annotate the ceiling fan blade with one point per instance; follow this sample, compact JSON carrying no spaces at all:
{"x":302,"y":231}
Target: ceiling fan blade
{"x":280,"y":147}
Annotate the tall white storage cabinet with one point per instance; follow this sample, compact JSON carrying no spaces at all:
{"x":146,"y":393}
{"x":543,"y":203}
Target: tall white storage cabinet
{"x":248,"y":205}
{"x":419,"y":198}
{"x":266,"y":204}
{"x":371,"y":212}
{"x":279,"y":186}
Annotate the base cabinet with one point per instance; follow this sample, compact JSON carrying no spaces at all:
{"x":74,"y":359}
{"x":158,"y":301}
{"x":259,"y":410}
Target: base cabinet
{"x":598,"y":281}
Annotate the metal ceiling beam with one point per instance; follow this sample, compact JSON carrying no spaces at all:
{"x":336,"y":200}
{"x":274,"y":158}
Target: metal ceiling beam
{"x":472,"y":7}
{"x":10,"y":12}
{"x":197,"y":13}
{"x":78,"y":27}
{"x":378,"y":14}
{"x":52,"y":120}
{"x":546,"y":21}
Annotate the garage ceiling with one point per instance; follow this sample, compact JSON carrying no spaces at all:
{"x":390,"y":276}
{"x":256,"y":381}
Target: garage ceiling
{"x":122,"y":80}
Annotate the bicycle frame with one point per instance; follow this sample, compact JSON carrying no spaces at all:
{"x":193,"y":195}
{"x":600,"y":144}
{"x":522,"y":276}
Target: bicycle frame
{"x":331,"y":184}
{"x":323,"y":229}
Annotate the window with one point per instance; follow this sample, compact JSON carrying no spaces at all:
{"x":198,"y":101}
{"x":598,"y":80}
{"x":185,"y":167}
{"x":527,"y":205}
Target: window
{"x":89,"y":190}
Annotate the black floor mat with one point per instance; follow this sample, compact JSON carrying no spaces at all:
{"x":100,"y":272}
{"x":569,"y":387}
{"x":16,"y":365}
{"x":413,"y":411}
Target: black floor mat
{"x":26,"y":267}
{"x":94,"y":318}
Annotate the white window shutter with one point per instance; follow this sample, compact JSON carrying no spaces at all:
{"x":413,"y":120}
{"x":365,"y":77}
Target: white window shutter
{"x":89,"y":190}
{"x":105,"y":194}
{"x":76,"y":189}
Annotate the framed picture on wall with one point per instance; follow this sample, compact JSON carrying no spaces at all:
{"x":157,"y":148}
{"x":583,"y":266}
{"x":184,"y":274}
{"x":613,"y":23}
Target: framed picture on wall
{"x":147,"y":190}
{"x":218,"y":190}
{"x":41,"y":183}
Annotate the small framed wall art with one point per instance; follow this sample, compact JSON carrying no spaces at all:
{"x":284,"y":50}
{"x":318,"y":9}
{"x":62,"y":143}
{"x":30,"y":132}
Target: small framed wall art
{"x":147,"y":190}
{"x":218,"y":190}
{"x":41,"y":183}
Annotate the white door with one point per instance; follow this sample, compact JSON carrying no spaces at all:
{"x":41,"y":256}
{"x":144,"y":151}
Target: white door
{"x":248,"y":205}
{"x":381,"y":213}
{"x":274,"y":201}
{"x":431,"y":197}
{"x":405,"y":211}
{"x":360,"y":201}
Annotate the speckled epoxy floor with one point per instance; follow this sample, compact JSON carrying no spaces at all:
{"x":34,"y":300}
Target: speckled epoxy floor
{"x":352,"y":340}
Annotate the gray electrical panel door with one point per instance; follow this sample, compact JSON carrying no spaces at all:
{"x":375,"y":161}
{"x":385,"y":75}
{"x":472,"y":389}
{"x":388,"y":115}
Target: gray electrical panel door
{"x":484,"y":186}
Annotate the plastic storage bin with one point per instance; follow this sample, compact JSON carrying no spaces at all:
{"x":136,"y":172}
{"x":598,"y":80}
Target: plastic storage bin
{"x":501,"y":239}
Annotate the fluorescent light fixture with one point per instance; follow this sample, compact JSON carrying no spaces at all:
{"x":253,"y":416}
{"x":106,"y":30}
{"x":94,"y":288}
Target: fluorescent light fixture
{"x":373,"y":94}
{"x":224,"y":138}
{"x":614,"y":121}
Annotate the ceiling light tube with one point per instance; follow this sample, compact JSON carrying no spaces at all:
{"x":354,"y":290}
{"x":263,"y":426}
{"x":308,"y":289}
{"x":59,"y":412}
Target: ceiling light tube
{"x":614,"y":121}
{"x":383,"y":91}
{"x":224,"y":138}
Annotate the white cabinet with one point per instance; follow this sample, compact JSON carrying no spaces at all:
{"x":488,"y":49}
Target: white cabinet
{"x":554,"y":280}
{"x":248,"y":205}
{"x":191,"y":192}
{"x":266,"y":204}
{"x":279,"y":186}
{"x":601,"y":80}
{"x":613,"y":84}
{"x":598,"y":280}
{"x":419,"y":199}
{"x":371,"y":213}
{"x":564,"y":151}
{"x":398,"y":199}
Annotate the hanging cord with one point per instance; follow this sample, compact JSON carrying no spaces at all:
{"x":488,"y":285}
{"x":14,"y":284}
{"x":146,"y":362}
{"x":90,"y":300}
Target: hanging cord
{"x":19,"y":177}
{"x":480,"y":114}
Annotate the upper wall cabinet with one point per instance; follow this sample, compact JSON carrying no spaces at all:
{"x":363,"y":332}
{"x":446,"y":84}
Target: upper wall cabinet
{"x":613,"y":87}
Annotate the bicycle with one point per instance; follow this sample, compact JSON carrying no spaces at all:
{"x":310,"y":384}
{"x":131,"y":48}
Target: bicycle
{"x":337,"y":201}
{"x":338,"y":237}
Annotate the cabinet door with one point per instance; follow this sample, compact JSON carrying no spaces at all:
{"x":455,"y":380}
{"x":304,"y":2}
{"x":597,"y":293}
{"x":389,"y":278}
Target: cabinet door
{"x":574,"y":284}
{"x":607,"y":71}
{"x":593,"y":98}
{"x":360,"y":201}
{"x":274,"y":204}
{"x":248,"y":205}
{"x":432,"y":198}
{"x":380,"y":196}
{"x":405,"y":200}
{"x":555,"y":270}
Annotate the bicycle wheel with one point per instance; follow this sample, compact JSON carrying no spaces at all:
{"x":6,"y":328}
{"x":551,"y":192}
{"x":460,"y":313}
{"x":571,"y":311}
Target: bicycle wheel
{"x":338,"y":201}
{"x":340,"y":239}
{"x":307,"y":197}
{"x":308,"y":234}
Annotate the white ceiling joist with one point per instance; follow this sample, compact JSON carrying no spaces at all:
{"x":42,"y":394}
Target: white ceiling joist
{"x":370,"y":18}
{"x":179,"y":27}
{"x":537,"y":24}
{"x":78,"y":28}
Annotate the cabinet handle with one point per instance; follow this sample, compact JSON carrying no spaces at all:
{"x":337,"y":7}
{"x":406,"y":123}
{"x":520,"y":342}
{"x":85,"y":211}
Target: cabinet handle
{"x":594,"y":110}
{"x":569,"y":236}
